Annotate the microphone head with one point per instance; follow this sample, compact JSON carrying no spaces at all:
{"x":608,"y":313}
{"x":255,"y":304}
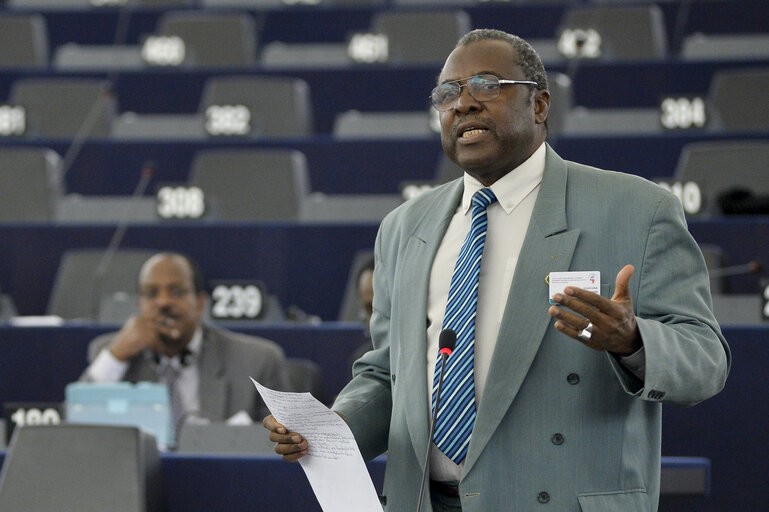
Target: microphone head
{"x":148,"y":169}
{"x":446,"y":341}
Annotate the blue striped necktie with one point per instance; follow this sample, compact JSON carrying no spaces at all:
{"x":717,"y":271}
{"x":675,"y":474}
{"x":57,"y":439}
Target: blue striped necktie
{"x":454,"y":423}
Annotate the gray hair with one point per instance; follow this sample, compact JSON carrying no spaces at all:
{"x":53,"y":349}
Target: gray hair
{"x":529,"y":59}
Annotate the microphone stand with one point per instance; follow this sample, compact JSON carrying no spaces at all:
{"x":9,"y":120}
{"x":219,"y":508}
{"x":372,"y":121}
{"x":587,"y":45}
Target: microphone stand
{"x":117,"y":237}
{"x":445,"y":352}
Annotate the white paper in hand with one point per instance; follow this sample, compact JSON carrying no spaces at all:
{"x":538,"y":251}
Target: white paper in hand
{"x":334,"y":465}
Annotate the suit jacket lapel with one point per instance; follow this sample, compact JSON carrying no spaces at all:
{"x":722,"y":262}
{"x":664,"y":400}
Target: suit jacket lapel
{"x":548,"y":246}
{"x":412,"y":332}
{"x":213,"y":389}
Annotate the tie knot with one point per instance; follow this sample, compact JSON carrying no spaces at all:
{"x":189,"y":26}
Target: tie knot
{"x":484,"y":197}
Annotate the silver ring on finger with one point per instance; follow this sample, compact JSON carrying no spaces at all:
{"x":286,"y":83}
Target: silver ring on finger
{"x":586,"y":333}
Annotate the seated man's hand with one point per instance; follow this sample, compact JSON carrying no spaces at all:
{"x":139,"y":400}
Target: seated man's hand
{"x":138,"y":332}
{"x":290,"y":445}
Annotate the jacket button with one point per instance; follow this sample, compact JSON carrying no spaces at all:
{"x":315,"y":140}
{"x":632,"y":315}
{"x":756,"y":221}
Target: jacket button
{"x":543,"y":497}
{"x":557,"y":439}
{"x":572,"y":379}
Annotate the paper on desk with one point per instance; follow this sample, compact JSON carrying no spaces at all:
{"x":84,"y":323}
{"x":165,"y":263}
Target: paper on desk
{"x":334,"y":465}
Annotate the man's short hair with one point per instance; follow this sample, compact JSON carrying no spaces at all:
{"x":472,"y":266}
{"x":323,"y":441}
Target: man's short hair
{"x":198,"y":285}
{"x":529,"y":59}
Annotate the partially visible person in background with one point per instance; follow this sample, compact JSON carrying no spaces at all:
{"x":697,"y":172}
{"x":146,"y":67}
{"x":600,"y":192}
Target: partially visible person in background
{"x":207,"y":369}
{"x":365,"y":288}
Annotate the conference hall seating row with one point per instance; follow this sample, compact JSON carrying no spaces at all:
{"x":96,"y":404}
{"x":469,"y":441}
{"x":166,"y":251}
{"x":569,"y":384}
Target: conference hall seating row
{"x":595,"y":99}
{"x":306,"y":266}
{"x":192,"y":27}
{"x":602,"y":29}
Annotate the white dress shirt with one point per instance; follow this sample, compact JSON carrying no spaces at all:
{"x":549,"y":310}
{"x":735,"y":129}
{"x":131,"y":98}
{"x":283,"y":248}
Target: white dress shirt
{"x":508,"y":220}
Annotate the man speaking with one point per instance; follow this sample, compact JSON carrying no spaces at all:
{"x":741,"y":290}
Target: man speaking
{"x":579,"y":300}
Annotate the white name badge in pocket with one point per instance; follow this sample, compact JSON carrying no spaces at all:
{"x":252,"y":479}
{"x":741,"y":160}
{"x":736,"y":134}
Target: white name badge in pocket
{"x":587,"y":280}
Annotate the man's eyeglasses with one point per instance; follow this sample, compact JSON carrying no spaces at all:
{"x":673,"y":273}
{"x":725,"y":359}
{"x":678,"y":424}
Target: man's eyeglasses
{"x":481,"y":87}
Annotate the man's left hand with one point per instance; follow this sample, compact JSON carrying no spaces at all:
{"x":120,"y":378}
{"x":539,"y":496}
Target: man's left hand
{"x":614,"y":325}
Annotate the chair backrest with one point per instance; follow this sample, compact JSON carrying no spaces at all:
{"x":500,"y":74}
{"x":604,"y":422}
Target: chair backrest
{"x":305,"y":376}
{"x":64,"y":107}
{"x":613,"y":32}
{"x":420,"y":37}
{"x":251,"y":184}
{"x":78,"y":290}
{"x":720,"y":166}
{"x":223,"y":40}
{"x":739,"y":100}
{"x":274,"y":106}
{"x":118,"y":307}
{"x":351,"y":309}
{"x":30,"y":184}
{"x":87,"y":468}
{"x":23,"y":41}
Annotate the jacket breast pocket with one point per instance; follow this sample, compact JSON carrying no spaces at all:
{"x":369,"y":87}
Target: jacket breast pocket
{"x":635,"y":500}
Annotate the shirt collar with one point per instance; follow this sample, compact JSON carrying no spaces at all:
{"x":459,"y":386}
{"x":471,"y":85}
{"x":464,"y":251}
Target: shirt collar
{"x":513,"y":187}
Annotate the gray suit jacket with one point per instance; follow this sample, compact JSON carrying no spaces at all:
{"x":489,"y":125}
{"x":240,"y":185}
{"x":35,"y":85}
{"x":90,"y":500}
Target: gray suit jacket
{"x":226,"y":362}
{"x":559,"y":423}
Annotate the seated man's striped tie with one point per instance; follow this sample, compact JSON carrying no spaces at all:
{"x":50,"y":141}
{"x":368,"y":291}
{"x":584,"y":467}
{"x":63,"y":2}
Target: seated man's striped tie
{"x":454,"y":423}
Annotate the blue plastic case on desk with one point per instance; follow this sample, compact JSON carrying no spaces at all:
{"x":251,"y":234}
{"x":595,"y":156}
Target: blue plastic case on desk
{"x":145,"y":405}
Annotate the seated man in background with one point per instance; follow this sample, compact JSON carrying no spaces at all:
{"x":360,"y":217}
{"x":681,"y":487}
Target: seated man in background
{"x":206,"y":369}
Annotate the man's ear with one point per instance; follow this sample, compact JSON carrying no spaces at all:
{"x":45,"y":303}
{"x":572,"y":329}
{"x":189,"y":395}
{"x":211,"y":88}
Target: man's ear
{"x":541,"y":105}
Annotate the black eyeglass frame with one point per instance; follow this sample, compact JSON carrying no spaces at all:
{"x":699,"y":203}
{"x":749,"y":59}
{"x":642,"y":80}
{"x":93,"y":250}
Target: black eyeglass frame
{"x":486,"y":76}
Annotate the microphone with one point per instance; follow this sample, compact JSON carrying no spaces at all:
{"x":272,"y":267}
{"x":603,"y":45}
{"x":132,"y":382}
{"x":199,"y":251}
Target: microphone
{"x":446,"y":341}
{"x":147,"y":171}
